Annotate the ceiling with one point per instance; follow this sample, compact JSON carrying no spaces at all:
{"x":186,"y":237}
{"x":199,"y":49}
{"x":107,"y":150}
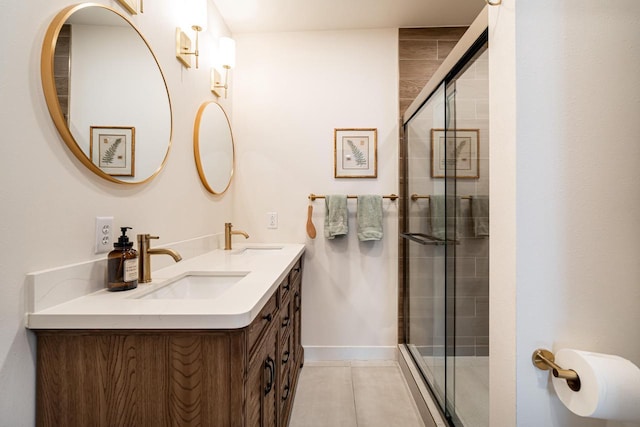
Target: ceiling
{"x":246,"y":16}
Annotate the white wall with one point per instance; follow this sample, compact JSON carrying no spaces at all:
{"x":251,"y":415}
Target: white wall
{"x":565,"y":102}
{"x":49,"y":201}
{"x":290,"y":91}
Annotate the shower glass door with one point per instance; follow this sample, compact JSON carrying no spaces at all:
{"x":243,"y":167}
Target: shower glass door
{"x":446,"y":243}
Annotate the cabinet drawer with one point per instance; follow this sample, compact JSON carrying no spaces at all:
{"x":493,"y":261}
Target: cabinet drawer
{"x":296,"y":271}
{"x":285,"y":288}
{"x":267,"y":315}
{"x":286,"y":316}
{"x":286,"y":354}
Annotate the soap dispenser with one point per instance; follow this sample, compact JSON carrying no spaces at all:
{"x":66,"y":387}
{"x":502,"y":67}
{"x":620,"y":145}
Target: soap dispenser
{"x":122,"y":264}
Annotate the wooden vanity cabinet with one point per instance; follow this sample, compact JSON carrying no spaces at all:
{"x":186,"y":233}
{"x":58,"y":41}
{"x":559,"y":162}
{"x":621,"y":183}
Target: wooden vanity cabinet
{"x":223,"y":378}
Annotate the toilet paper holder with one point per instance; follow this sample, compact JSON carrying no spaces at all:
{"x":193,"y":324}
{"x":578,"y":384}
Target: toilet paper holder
{"x":545,"y":360}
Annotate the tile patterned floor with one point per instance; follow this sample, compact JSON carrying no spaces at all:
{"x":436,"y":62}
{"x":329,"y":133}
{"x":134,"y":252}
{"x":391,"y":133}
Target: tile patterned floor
{"x":359,"y":394}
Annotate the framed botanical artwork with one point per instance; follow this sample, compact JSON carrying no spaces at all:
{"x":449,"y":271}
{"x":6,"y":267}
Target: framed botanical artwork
{"x":132,"y":6}
{"x":112,"y":149}
{"x":355,"y":153}
{"x":458,"y":152}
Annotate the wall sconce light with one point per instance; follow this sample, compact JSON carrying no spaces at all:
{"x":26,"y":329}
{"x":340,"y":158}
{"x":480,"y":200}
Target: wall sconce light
{"x":227,"y":60}
{"x":197,"y":11}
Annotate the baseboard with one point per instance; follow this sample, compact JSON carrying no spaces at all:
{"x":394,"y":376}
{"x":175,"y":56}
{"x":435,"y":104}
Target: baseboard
{"x":328,"y":353}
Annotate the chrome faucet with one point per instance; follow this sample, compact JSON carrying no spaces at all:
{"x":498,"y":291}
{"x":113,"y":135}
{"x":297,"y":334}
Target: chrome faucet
{"x":228,"y":233}
{"x":144,"y":267}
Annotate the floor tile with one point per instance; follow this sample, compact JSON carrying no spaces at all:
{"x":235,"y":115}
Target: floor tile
{"x":324,"y":397}
{"x":353,"y":394}
{"x":382,"y":398}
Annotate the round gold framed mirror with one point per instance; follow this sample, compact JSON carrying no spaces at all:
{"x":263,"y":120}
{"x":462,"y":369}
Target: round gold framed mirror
{"x":213,"y":147}
{"x":106,"y":93}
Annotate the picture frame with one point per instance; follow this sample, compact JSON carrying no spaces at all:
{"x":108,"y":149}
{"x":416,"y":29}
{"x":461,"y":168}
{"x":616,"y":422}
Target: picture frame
{"x":465,"y":152}
{"x":132,"y":6}
{"x":355,"y":153}
{"x":112,"y":149}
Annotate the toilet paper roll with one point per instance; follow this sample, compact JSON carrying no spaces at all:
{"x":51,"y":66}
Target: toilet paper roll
{"x":610,"y":385}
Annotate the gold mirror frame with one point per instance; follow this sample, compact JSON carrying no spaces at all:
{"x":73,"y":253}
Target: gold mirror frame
{"x":51,"y":93}
{"x":198,"y":143}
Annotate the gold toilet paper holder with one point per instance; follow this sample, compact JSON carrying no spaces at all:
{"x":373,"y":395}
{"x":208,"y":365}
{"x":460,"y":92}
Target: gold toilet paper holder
{"x":545,"y":360}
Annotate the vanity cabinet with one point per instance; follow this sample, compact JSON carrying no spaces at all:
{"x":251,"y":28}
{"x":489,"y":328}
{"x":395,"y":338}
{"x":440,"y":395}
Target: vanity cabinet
{"x":239,"y":377}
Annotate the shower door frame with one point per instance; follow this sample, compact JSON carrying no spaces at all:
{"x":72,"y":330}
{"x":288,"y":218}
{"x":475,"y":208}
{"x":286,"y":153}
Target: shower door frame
{"x":474,"y":41}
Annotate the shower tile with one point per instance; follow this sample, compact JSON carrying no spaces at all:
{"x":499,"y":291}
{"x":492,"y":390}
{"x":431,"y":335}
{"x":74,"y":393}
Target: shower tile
{"x":472,"y":326}
{"x":482,"y":306}
{"x":465,"y":267}
{"x":382,"y":398}
{"x":482,"y":341}
{"x":418,"y":69}
{"x":418,"y":49}
{"x":482,"y":350}
{"x":462,"y":350}
{"x":482,"y":267}
{"x":442,"y":33}
{"x":411,"y":88}
{"x":470,"y":286}
{"x":324,"y":397}
{"x":465,"y":306}
{"x":445,"y":48}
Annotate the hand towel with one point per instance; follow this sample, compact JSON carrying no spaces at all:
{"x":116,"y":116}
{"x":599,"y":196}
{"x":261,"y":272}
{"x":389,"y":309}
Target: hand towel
{"x":336,"y":216}
{"x":480,"y":215}
{"x":369,"y":217}
{"x":439,"y":206}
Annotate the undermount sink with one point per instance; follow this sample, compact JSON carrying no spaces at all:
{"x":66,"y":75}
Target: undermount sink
{"x":257,"y":250}
{"x":197,"y":285}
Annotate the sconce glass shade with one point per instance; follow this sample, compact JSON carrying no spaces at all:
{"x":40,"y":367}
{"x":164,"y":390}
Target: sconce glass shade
{"x":227,"y":52}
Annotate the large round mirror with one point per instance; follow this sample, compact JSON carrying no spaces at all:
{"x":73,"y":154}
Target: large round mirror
{"x":213,"y":147}
{"x":106,"y":93}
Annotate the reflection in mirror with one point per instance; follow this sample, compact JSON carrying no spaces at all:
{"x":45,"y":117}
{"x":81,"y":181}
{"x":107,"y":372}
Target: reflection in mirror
{"x":111,"y":104}
{"x":213,"y":147}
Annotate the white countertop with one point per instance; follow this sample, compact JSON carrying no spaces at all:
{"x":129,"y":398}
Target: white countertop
{"x":235,"y":308}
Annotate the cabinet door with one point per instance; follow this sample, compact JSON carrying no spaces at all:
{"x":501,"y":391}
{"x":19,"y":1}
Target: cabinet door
{"x":296,"y":302}
{"x":262,"y":383}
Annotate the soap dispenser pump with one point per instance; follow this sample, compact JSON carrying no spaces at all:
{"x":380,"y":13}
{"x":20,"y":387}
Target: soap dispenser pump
{"x":122,"y":264}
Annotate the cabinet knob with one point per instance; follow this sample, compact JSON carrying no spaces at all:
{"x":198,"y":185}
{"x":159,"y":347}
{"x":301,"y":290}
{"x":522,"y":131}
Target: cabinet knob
{"x":286,"y":394}
{"x":286,"y":322}
{"x":268,"y":317}
{"x":286,"y":359}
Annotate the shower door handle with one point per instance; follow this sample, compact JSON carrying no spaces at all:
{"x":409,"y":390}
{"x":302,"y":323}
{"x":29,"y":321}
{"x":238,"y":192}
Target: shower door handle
{"x":423,"y":239}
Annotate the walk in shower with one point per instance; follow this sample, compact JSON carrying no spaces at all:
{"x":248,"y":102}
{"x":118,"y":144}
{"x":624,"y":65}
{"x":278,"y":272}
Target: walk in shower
{"x":445,"y":238}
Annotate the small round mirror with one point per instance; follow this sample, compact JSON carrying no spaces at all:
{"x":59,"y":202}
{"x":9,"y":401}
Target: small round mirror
{"x":213,"y":147}
{"x":106,"y":93}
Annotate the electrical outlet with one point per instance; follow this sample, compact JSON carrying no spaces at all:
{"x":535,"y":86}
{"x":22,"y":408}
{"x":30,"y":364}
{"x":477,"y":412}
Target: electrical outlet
{"x":272,"y":219}
{"x":104,"y":234}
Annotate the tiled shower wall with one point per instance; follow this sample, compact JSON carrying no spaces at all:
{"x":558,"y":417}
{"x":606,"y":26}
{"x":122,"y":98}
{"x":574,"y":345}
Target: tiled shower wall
{"x":420,"y":53}
{"x":61,"y":68}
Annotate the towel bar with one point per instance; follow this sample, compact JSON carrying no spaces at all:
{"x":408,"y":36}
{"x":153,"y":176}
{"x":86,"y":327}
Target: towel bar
{"x":313,"y":197}
{"x":415,"y":197}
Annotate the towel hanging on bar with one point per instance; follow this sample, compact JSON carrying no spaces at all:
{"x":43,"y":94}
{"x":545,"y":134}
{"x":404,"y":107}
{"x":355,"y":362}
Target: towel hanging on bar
{"x":369,"y":217}
{"x":336,"y":216}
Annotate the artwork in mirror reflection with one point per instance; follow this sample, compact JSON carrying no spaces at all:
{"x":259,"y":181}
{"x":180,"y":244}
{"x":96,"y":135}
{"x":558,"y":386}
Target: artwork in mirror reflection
{"x":213,"y":147}
{"x":113,"y":79}
{"x":112,"y":149}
